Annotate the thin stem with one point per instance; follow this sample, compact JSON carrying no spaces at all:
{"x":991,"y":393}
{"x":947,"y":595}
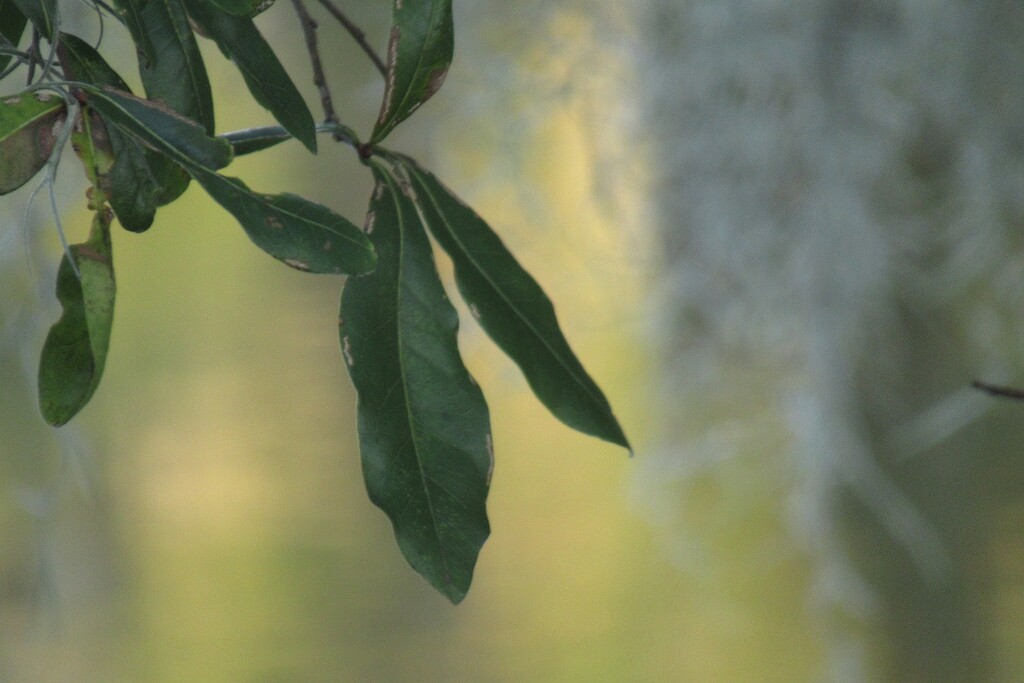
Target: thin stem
{"x":1001,"y":391}
{"x":309,"y":27}
{"x":357,"y":35}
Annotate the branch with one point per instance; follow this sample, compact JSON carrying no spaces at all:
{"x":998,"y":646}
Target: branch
{"x":309,"y":27}
{"x":1001,"y":391}
{"x":357,"y":35}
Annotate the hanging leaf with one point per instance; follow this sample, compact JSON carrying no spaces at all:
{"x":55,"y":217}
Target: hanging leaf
{"x":243,"y":8}
{"x":75,"y":350}
{"x":513,"y":309}
{"x":419,"y":52}
{"x":266,"y":79}
{"x":424,"y":432}
{"x":28,"y":128}
{"x":130,"y":184}
{"x":12,"y":26}
{"x":42,"y":14}
{"x":302,"y":234}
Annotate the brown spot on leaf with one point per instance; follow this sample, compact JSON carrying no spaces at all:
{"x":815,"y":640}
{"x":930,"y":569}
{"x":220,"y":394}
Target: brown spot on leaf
{"x":274,"y":222}
{"x":346,"y":350}
{"x":296,"y":264}
{"x":328,"y":245}
{"x":436,"y":81}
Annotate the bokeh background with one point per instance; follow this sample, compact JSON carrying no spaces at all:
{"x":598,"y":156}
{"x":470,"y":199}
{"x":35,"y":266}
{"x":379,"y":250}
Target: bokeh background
{"x":784,"y":237}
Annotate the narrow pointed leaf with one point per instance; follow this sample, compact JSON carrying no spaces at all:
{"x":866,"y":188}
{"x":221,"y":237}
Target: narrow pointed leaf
{"x":160,"y":128}
{"x":12,"y":26}
{"x":263,"y":73}
{"x":256,"y":139}
{"x":304,"y":235}
{"x":29,"y":124}
{"x":244,"y":8}
{"x":42,"y":14}
{"x":424,"y":432}
{"x":513,"y":310}
{"x":131,"y":186}
{"x":75,"y":350}
{"x":419,"y":53}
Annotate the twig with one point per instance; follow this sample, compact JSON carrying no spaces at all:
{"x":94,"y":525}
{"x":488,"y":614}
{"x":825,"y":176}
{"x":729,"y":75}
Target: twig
{"x":309,"y":27}
{"x":33,"y":52}
{"x":357,"y":35}
{"x":1001,"y":391}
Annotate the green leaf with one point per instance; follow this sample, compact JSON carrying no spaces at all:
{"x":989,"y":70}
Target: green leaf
{"x":75,"y":350}
{"x":424,"y":430}
{"x":256,"y":139}
{"x":28,"y":131}
{"x":513,"y":309}
{"x":160,"y":128}
{"x":244,"y":8}
{"x":12,"y":26}
{"x":266,"y":79}
{"x":419,"y":53}
{"x":303,"y":235}
{"x":298,"y":232}
{"x":130,"y":184}
{"x":42,"y":14}
{"x":174,"y":74}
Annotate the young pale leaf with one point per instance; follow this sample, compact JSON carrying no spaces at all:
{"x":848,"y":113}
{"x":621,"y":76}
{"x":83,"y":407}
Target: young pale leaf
{"x":75,"y":350}
{"x":175,"y":73}
{"x":266,"y":79}
{"x":130,"y":184}
{"x":424,"y":430}
{"x":12,"y":25}
{"x":419,"y":52}
{"x":28,"y":128}
{"x":513,"y":309}
{"x":42,"y":14}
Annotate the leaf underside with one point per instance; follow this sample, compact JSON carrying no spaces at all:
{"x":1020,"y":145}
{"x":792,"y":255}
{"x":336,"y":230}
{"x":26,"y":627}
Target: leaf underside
{"x":424,"y":429}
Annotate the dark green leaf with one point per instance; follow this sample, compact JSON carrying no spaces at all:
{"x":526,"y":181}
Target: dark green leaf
{"x":75,"y":350}
{"x":304,"y":235}
{"x":12,"y":25}
{"x":513,"y":309}
{"x":419,"y":53}
{"x":42,"y":14}
{"x":244,"y":8}
{"x":130,"y":184}
{"x":160,"y":128}
{"x":28,"y":128}
{"x":256,"y":139}
{"x":174,"y":74}
{"x":424,"y":430}
{"x":267,"y":80}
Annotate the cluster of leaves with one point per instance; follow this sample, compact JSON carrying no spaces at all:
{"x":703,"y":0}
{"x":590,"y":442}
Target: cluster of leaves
{"x":424,"y":429}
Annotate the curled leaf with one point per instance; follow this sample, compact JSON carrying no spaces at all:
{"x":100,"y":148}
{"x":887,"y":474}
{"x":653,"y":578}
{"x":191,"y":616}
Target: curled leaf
{"x":513,"y":309}
{"x":419,"y":53}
